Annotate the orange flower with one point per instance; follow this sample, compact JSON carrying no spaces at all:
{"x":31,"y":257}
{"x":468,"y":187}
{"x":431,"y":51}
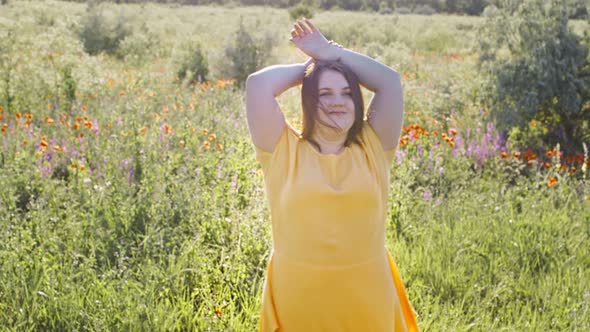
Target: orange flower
{"x":552,"y":181}
{"x":219,"y":146}
{"x":18,"y":115}
{"x":504,"y":155}
{"x":122,"y":93}
{"x":516,"y":155}
{"x":50,"y":120}
{"x":76,"y":125}
{"x":44,"y":143}
{"x":206,"y":145}
{"x":205,"y":131}
{"x":435,"y":133}
{"x":84,"y":108}
{"x":404,"y":140}
{"x":453,"y":131}
{"x":218,"y":312}
{"x":143,"y":130}
{"x":49,"y":106}
{"x":191,"y":106}
{"x":82,"y":167}
{"x":88,"y":124}
{"x":1,"y":108}
{"x":547,"y":165}
{"x":4,"y":127}
{"x":57,"y":148}
{"x":212,"y":137}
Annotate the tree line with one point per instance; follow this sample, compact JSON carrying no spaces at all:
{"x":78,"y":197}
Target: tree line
{"x":461,"y":7}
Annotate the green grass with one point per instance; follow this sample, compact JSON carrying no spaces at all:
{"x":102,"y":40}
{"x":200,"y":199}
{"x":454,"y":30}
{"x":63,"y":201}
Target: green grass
{"x":142,"y":226}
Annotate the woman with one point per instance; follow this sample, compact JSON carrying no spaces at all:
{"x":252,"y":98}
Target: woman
{"x":327,"y":188}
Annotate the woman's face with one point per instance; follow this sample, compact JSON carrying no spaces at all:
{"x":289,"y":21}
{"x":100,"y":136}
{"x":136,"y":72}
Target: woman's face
{"x":334,"y":95}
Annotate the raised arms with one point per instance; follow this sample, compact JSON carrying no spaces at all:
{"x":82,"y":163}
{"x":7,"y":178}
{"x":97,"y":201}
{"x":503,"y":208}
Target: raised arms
{"x":265,"y":119}
{"x":385,"y":114}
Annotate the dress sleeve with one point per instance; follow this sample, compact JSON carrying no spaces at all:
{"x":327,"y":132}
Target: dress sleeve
{"x":282,"y":155}
{"x":374,"y":144}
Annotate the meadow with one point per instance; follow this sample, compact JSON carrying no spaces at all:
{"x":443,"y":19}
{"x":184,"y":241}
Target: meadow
{"x":131,"y":200}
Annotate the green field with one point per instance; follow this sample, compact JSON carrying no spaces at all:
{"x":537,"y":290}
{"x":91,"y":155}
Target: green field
{"x":132,"y":201}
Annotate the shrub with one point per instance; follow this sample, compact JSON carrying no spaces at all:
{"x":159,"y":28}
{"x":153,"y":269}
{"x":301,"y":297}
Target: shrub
{"x":139,"y":47}
{"x":537,"y":69}
{"x":490,"y":11}
{"x":194,"y":66}
{"x":98,"y":34}
{"x":424,"y":10}
{"x":246,"y":54}
{"x":403,"y":11}
{"x":299,"y":11}
{"x":384,"y":8}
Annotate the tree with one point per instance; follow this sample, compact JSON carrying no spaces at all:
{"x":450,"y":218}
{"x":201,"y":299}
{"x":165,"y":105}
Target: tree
{"x":537,"y":69}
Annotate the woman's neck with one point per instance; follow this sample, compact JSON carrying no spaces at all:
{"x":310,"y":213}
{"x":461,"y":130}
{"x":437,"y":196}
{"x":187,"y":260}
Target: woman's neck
{"x":329,"y":140}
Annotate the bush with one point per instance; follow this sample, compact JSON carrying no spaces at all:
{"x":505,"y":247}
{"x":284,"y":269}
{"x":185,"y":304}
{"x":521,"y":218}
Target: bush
{"x":538,"y":70}
{"x":384,"y":8}
{"x":299,"y":11}
{"x":194,"y":66}
{"x":246,"y":54}
{"x":403,"y":11}
{"x":99,"y":34}
{"x":424,"y":10}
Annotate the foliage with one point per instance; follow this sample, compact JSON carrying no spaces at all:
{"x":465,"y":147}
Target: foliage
{"x":424,"y":10}
{"x":143,"y":208}
{"x":98,"y":34}
{"x":194,"y":66}
{"x":299,"y":11}
{"x":246,"y":53}
{"x":538,"y":70}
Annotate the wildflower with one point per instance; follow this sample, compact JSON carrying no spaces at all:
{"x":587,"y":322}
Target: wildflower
{"x":122,"y":93}
{"x":18,"y":115}
{"x":143,"y":130}
{"x":547,"y":165}
{"x":49,"y":106}
{"x":191,"y":106}
{"x":212,"y":137}
{"x":88,"y":124}
{"x":504,"y":155}
{"x":552,"y":181}
{"x":218,"y":312}
{"x":182,"y":143}
{"x":533,"y":123}
{"x":206,"y":145}
{"x":76,"y":125}
{"x":84,"y":108}
{"x":57,"y":148}
{"x":1,"y":108}
{"x":44,"y":143}
{"x":404,"y":140}
{"x":205,"y":131}
{"x":572,"y":171}
{"x":49,"y":120}
{"x":453,"y":131}
{"x":219,"y":146}
{"x":4,"y":127}
{"x":82,"y":167}
{"x":516,"y":155}
{"x":435,"y":133}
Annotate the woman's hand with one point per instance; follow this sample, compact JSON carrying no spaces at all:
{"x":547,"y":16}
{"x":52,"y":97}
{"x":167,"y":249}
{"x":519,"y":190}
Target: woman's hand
{"x":311,"y":41}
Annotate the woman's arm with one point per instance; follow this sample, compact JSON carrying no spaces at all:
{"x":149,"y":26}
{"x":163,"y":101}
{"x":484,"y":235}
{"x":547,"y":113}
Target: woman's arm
{"x":265,"y":119}
{"x":386,"y":108}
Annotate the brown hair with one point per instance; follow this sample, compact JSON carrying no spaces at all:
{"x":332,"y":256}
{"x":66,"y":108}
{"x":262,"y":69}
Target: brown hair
{"x":310,"y":99}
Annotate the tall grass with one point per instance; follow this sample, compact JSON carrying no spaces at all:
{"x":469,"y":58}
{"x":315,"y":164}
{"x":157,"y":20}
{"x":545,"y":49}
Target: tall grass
{"x":138,"y":205}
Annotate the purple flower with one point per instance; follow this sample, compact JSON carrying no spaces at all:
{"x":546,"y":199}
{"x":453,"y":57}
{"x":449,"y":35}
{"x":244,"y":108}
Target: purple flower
{"x":427,"y":195}
{"x":400,"y":155}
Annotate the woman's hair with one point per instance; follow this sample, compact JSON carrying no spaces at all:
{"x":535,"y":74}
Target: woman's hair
{"x":311,"y":105}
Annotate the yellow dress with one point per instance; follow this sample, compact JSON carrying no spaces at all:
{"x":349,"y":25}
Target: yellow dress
{"x":329,"y":269}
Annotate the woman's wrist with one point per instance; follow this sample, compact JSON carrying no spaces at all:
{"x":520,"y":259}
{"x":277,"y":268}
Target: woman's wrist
{"x":331,"y":51}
